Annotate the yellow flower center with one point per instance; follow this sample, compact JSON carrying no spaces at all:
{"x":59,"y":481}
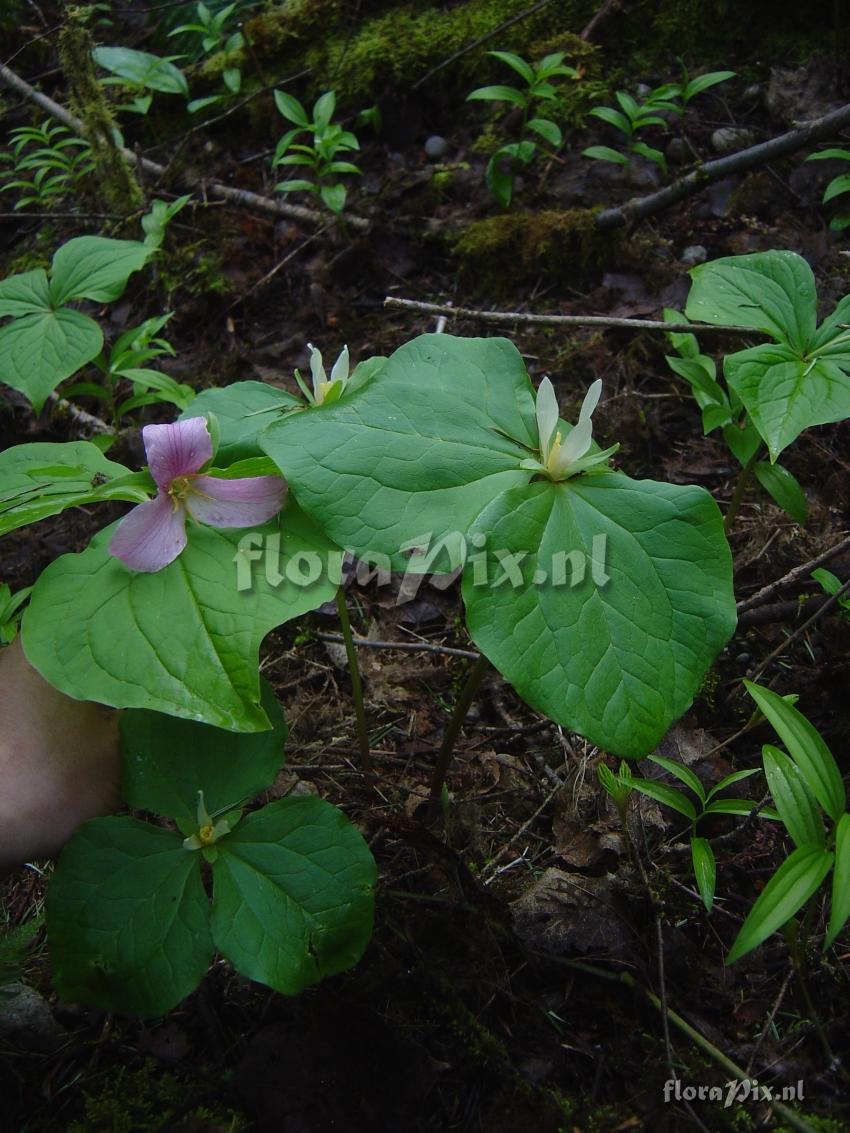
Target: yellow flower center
{"x":553,"y":453}
{"x":206,"y":834}
{"x":180,"y":488}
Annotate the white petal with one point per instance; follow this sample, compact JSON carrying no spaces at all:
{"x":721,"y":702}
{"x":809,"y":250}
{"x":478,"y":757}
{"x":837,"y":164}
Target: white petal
{"x":591,"y":400}
{"x":340,"y":368}
{"x":575,"y":446}
{"x":547,"y":416}
{"x":317,"y":368}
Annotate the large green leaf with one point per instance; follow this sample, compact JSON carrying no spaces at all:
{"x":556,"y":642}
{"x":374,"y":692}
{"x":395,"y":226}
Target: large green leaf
{"x":618,"y":655}
{"x":242,"y":410}
{"x":127,"y":918}
{"x":24,"y":294}
{"x":769,"y":291}
{"x":39,"y":480}
{"x":95,"y":267}
{"x":787,"y":891}
{"x":414,"y":455}
{"x":793,"y":799}
{"x":142,"y":70}
{"x":292,"y":897}
{"x":785,"y":393}
{"x":185,"y":639}
{"x":39,"y":351}
{"x":806,"y":747}
{"x":168,"y":760}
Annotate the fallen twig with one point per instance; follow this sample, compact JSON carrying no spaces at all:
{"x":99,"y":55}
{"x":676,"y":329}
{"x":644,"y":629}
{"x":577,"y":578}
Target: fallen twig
{"x":799,"y":572}
{"x":402,"y":646}
{"x":559,"y":320}
{"x":823,"y":608}
{"x":242,"y":197}
{"x":802,"y":135}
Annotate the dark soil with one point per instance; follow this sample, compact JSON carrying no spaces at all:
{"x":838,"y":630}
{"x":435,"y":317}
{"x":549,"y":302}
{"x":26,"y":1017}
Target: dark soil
{"x":490,"y":997}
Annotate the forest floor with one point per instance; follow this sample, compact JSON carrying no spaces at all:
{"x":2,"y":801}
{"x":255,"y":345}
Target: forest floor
{"x":491,"y":996}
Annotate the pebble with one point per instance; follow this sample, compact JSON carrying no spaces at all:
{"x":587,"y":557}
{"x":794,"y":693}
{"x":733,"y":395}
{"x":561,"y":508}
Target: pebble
{"x":729,"y":139}
{"x":694,"y":254}
{"x":436,"y":147}
{"x":753,"y":92}
{"x":677,"y":151}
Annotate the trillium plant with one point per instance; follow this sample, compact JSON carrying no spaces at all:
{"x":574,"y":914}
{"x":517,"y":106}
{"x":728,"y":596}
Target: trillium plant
{"x":601,"y":598}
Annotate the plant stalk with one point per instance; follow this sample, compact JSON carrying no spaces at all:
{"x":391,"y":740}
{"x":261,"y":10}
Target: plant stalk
{"x":744,"y":477}
{"x":473,"y":682}
{"x":356,"y":685}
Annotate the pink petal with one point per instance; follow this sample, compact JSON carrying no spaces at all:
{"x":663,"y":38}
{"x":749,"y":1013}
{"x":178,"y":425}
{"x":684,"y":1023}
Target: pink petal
{"x":235,"y":503}
{"x":150,"y":536}
{"x":177,"y":450}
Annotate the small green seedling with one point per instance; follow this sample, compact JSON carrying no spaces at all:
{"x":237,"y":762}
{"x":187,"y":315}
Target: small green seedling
{"x":631,"y":119}
{"x":837,"y":186}
{"x":209,"y":36}
{"x":537,"y":88}
{"x":328,"y":139}
{"x":156,"y":221}
{"x":702,"y":855}
{"x":830,"y":584}
{"x":48,"y":163}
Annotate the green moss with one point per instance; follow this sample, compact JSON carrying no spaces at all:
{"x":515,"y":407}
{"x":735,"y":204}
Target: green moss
{"x":145,"y":1098}
{"x":116,"y":181}
{"x":501,"y":252}
{"x":392,"y":50}
{"x":281,"y":28}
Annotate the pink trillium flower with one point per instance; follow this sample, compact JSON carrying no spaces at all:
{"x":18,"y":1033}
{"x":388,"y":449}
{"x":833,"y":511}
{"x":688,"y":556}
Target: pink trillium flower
{"x":153,"y":534}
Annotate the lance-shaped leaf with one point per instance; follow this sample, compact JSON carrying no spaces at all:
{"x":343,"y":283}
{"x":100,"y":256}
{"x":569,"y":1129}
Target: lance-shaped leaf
{"x":794,"y":801}
{"x":416,"y":452}
{"x":167,"y":760}
{"x":127,"y":918}
{"x":840,"y":910}
{"x":618,"y":598}
{"x":787,"y":891}
{"x":292,"y":896}
{"x":183,"y":640}
{"x":43,"y":479}
{"x":705,"y":869}
{"x":806,"y":747}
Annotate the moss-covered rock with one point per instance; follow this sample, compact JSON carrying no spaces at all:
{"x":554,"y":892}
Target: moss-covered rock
{"x":500,"y":252}
{"x":395,"y":49}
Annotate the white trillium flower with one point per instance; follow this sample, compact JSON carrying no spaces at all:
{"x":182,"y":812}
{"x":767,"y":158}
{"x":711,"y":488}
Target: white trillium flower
{"x":562,"y":458}
{"x":327,"y":389}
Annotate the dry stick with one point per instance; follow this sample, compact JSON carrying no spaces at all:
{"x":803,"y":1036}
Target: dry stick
{"x":242,"y":197}
{"x":401,"y":646}
{"x":827,"y":605}
{"x":560,"y":320}
{"x":793,"y":576}
{"x":481,"y":39}
{"x":799,"y":137}
{"x":607,"y":9}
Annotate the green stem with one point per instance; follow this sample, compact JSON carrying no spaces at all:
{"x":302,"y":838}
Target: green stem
{"x":473,"y":681}
{"x":744,"y":477}
{"x":356,"y":684}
